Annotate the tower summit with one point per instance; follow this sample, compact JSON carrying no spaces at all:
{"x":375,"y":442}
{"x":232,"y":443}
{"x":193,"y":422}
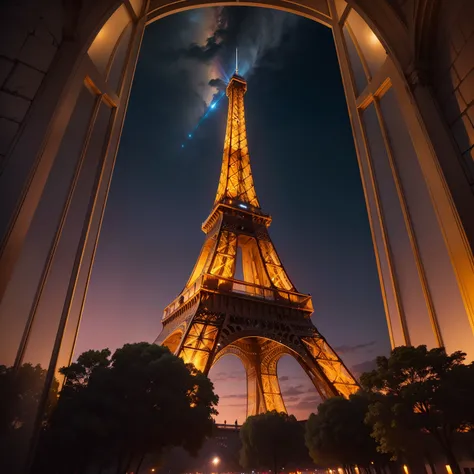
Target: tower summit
{"x":236,"y":181}
{"x":258,"y":318}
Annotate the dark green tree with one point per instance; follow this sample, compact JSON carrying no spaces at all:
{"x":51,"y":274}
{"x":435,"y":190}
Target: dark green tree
{"x":416,"y":391}
{"x":115,"y":411}
{"x":20,"y":393}
{"x":337,"y":434}
{"x":272,"y":440}
{"x":78,"y":373}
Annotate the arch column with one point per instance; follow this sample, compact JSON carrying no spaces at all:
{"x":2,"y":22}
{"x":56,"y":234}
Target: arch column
{"x":54,"y":186}
{"x":266,"y":357}
{"x":419,"y":204}
{"x":255,"y":396}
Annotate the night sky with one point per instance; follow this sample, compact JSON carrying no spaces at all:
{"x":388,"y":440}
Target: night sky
{"x":305,"y":173}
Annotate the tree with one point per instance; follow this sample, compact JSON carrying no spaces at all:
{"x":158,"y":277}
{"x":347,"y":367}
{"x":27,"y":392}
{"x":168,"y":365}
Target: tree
{"x":20,"y":393}
{"x":114,"y":411}
{"x":337,"y":435}
{"x":417,"y":391}
{"x":78,"y":373}
{"x":271,"y":440}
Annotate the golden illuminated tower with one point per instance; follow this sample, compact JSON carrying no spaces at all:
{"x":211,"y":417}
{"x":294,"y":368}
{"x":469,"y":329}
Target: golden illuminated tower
{"x":260,"y":318}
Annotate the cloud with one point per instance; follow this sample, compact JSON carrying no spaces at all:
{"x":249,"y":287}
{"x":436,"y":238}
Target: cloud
{"x":255,"y":31}
{"x":293,"y":390}
{"x":350,"y":349}
{"x":225,"y":376}
{"x":203,"y":53}
{"x":285,"y":378}
{"x":202,"y":56}
{"x":290,"y":400}
{"x":308,"y":403}
{"x":367,"y":366}
{"x":234,"y":395}
{"x":219,"y":84}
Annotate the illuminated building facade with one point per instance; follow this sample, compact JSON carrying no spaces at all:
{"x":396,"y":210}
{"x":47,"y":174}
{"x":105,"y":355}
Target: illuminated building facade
{"x":261,"y":317}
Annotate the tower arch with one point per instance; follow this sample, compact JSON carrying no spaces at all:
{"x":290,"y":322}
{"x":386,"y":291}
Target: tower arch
{"x":261,"y":354}
{"x":229,"y":376}
{"x":173,"y":340}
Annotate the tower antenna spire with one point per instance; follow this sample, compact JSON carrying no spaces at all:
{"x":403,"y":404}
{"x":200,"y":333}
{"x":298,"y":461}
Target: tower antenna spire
{"x":236,"y":60}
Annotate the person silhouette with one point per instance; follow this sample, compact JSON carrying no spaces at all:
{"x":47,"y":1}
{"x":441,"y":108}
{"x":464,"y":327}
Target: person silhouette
{"x":225,"y":422}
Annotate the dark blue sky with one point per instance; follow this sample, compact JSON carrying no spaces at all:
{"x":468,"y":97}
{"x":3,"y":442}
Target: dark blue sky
{"x":305,"y":171}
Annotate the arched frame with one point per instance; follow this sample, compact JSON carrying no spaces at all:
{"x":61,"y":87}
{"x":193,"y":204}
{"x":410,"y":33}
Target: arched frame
{"x":419,"y":203}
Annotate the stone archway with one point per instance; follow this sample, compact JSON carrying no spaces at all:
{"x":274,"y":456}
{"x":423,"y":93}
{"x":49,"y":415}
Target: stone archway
{"x":418,"y":197}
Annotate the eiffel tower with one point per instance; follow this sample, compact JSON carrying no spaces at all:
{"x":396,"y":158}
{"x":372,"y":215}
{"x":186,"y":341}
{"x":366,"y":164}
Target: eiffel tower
{"x":261,"y":317}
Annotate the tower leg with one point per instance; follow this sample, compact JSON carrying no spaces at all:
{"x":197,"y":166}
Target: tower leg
{"x":255,"y":398}
{"x":326,"y":370}
{"x":271,"y":389}
{"x":263,"y":387}
{"x":199,"y":342}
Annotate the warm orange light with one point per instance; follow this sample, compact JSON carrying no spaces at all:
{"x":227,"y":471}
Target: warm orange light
{"x":216,"y":461}
{"x":372,"y":38}
{"x":100,"y":34}
{"x":448,"y":468}
{"x":405,"y":468}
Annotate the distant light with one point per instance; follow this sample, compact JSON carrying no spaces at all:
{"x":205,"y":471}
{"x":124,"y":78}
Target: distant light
{"x":213,"y":106}
{"x":243,"y":206}
{"x":182,"y":146}
{"x":189,"y":135}
{"x":405,"y":468}
{"x":215,"y":461}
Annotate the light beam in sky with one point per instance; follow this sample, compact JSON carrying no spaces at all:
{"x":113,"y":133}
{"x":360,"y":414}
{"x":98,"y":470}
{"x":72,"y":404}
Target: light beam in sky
{"x":211,"y":107}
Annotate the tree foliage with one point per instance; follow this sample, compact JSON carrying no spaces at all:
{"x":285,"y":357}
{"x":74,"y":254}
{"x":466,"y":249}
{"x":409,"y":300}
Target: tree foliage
{"x":20,"y":393}
{"x":337,"y":435}
{"x":416,"y":391}
{"x":115,"y":410}
{"x":272,"y":440}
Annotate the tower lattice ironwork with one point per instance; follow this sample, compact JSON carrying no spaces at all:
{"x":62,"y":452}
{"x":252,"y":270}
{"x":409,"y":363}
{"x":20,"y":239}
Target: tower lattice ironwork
{"x":261,"y":317}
